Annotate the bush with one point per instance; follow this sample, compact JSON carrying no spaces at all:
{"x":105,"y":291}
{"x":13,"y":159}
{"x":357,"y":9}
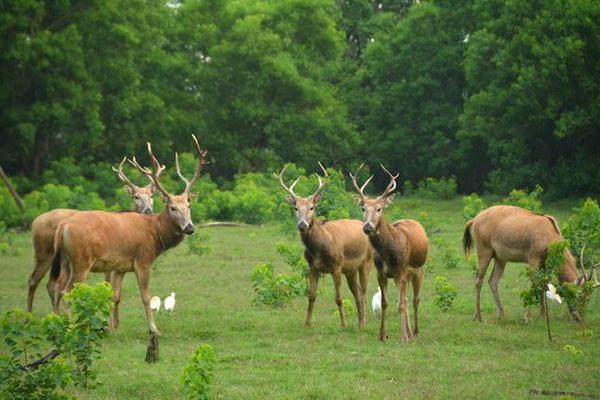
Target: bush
{"x":583,"y":229}
{"x":432,"y":188}
{"x":276,"y":291}
{"x":448,"y":255}
{"x":7,"y":246}
{"x":473,"y":205}
{"x":74,"y":342}
{"x":445,"y":294}
{"x":197,"y":374}
{"x":10,"y":214}
{"x":529,"y":201}
{"x":294,"y":257}
{"x":198,"y":243}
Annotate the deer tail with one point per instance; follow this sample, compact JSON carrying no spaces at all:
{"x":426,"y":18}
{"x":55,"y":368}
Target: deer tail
{"x":467,"y":238}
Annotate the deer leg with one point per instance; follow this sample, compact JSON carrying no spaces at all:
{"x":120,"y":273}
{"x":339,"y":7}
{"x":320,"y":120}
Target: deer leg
{"x":313,"y":281}
{"x":484,"y":258}
{"x":404,"y":322}
{"x":493,"y":281}
{"x":363,"y":275}
{"x":417,"y":282}
{"x":42,"y":266}
{"x":354,"y":286}
{"x":143,"y":278}
{"x":382,"y":280}
{"x":337,"y":282}
{"x":117,"y":284}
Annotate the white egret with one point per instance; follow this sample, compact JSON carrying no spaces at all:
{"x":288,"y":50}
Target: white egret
{"x":170,"y":302}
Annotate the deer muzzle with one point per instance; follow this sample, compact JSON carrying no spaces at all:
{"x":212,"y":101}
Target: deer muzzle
{"x":302,"y":226}
{"x":189,"y":229}
{"x":368,"y":228}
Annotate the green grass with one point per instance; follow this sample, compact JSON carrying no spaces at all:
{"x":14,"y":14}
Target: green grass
{"x":266,"y":353}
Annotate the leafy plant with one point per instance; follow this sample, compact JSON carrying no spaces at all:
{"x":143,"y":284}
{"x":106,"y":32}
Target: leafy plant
{"x":583,"y":229}
{"x":197,"y":374}
{"x":445,"y":293}
{"x":293,"y":256}
{"x":473,"y":205}
{"x":432,"y":188}
{"x":528,"y":200}
{"x":448,"y":254}
{"x":198,"y":243}
{"x":348,"y":307}
{"x":44,"y":356}
{"x":276,"y":291}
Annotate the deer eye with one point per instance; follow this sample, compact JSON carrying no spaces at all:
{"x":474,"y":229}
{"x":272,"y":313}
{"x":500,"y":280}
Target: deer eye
{"x":364,"y":209}
{"x":379,"y":209}
{"x":295,"y":208}
{"x":136,"y":197}
{"x":173,"y":208}
{"x":312,"y":208}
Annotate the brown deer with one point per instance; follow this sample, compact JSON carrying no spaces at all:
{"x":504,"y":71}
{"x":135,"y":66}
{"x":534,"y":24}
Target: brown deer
{"x":401,"y":253}
{"x":509,"y":233}
{"x":44,"y":227}
{"x":127,"y":242}
{"x":332,"y":247}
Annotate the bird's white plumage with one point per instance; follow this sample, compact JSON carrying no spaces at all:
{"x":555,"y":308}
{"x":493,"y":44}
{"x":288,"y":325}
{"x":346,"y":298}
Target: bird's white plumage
{"x":552,"y":295}
{"x":155,"y":303}
{"x":170,"y":302}
{"x":376,"y":304}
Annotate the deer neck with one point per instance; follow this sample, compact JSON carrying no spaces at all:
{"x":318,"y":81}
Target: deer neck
{"x":316,"y":238}
{"x":167,"y":234}
{"x":384,"y":238}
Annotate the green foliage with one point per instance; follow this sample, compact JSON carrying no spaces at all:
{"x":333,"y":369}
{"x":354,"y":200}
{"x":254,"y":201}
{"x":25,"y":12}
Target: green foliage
{"x":448,"y":255}
{"x":7,"y":245}
{"x":549,"y":273}
{"x":90,"y":309}
{"x":522,"y":198}
{"x":445,"y":293}
{"x":349,"y":309}
{"x":473,"y":205}
{"x":583,"y":229}
{"x":198,"y":373}
{"x":293,"y":256}
{"x":198,"y":243}
{"x":429,"y":223}
{"x":431,"y":188}
{"x":75,"y":338}
{"x":10,"y":214}
{"x":276,"y":291}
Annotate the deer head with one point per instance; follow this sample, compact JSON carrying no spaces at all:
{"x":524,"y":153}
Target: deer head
{"x":142,"y":196}
{"x":176,"y":206}
{"x":304,"y":207}
{"x":373,"y":208}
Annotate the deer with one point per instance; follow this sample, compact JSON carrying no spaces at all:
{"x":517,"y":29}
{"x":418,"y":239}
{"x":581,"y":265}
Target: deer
{"x":401,"y":251}
{"x":509,"y":233}
{"x":335,"y":247}
{"x":44,"y":227}
{"x":125,"y":242}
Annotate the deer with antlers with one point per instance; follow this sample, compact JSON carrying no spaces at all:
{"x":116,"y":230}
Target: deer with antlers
{"x":44,"y":227}
{"x":127,"y":242}
{"x":401,"y":253}
{"x":333,"y":247}
{"x":509,"y":233}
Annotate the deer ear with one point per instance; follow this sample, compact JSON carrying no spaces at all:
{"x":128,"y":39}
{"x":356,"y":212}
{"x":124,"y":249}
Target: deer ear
{"x":129,"y":190}
{"x":389,"y":199}
{"x":357,"y":199}
{"x":290,"y":200}
{"x":165,"y":199}
{"x":192,"y":196}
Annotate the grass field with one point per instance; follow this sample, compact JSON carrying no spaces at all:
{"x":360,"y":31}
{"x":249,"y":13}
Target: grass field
{"x":266,"y":353}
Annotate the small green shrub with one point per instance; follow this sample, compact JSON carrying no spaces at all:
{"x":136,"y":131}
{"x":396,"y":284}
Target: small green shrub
{"x":198,"y":243}
{"x":429,"y":224}
{"x":349,"y":309}
{"x":473,"y":205}
{"x":7,"y":245}
{"x":276,"y":291}
{"x":583,"y":229}
{"x":548,"y":273}
{"x":432,"y":188}
{"x":72,"y":341}
{"x":294,"y":257}
{"x":445,"y":293}
{"x":197,"y":374}
{"x":448,"y":255}
{"x":529,"y":201}
{"x":9,"y":212}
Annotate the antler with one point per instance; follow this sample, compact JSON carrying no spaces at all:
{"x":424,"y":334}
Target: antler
{"x":392,"y":185}
{"x":153,"y":175}
{"x":360,"y":189}
{"x":321,"y":183}
{"x":122,"y":175}
{"x":290,"y":189}
{"x":592,"y":274}
{"x":581,"y":264}
{"x":201,"y":162}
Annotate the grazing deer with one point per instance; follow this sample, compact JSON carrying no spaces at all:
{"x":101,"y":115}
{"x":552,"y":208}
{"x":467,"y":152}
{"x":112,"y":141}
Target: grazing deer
{"x":509,"y":233}
{"x":401,"y":253}
{"x":333,"y":247}
{"x":101,"y":241}
{"x":44,"y":227}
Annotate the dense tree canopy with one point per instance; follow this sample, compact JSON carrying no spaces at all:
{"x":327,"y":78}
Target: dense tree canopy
{"x":500,"y":94}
